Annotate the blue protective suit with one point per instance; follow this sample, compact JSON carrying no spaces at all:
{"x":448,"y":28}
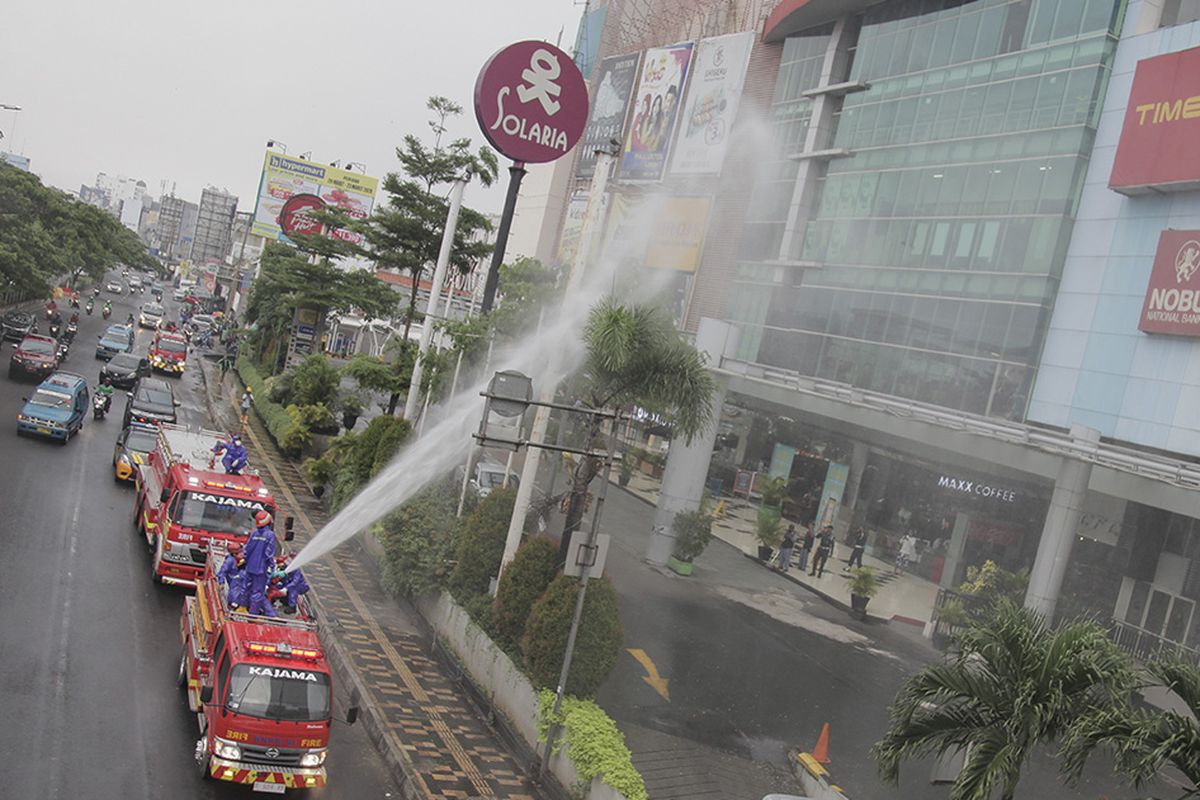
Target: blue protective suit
{"x":233,"y":577}
{"x":235,"y":456}
{"x":259,"y":552}
{"x":295,"y":585}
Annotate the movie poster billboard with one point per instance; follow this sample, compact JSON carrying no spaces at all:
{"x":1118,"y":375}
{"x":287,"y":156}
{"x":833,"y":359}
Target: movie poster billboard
{"x":718,"y":74}
{"x":656,"y":103}
{"x":284,"y":176}
{"x":610,"y":106}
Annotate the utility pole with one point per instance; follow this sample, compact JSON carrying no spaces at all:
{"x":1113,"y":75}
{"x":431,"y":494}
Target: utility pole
{"x":515,"y":174}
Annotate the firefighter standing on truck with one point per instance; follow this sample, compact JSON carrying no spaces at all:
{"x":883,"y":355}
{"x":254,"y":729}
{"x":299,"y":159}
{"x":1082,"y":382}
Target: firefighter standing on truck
{"x":259,"y":554}
{"x":233,"y":575}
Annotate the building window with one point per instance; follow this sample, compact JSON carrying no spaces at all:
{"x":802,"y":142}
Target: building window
{"x":1179,"y":12}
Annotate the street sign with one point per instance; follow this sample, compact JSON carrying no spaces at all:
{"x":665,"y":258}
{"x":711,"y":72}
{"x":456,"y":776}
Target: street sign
{"x":294,"y":218}
{"x":531,"y":102}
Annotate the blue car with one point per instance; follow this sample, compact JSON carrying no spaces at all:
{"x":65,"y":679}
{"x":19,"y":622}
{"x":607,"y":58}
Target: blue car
{"x":117,"y":339}
{"x":56,"y":409}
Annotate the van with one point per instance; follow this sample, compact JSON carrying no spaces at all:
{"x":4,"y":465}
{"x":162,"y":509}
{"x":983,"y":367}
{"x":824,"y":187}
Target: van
{"x":56,"y":408}
{"x":489,"y":475}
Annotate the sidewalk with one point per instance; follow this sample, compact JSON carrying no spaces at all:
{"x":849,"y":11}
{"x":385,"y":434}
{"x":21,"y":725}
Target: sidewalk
{"x":903,"y":598}
{"x":429,"y":733}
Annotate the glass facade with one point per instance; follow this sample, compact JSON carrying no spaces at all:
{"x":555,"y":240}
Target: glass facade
{"x":940,"y":240}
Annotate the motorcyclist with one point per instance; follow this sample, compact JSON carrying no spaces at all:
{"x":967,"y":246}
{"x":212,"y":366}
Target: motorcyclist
{"x":90,"y":306}
{"x":107,"y":310}
{"x":74,"y":317}
{"x":130,"y":320}
{"x":235,"y":454}
{"x":51,"y":308}
{"x":259,"y":555}
{"x":105,"y":389}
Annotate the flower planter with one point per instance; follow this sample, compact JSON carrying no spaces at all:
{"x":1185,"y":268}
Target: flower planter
{"x":349,"y":420}
{"x":679,"y":567}
{"x":623,"y":479}
{"x":858,"y":606}
{"x":764,"y":553}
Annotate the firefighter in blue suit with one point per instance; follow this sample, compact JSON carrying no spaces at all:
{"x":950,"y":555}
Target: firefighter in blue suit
{"x":259,"y":555}
{"x":233,"y":574}
{"x":295,"y":585}
{"x":235,"y":454}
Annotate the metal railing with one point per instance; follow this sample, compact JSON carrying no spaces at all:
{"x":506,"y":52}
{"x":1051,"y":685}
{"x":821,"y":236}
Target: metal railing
{"x":1177,"y":472}
{"x":1145,"y":645}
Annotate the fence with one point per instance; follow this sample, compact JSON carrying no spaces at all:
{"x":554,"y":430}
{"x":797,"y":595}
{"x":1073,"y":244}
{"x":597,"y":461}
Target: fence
{"x":1145,"y":645}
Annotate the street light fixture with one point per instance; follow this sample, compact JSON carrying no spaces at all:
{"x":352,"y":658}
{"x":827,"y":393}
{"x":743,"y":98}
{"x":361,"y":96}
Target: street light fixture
{"x":276,"y":143}
{"x":358,"y":164}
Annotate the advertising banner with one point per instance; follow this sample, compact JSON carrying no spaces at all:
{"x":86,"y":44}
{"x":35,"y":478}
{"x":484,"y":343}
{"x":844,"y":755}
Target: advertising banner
{"x":831,"y":494}
{"x":1162,"y":126}
{"x":610,"y":107}
{"x":660,"y":232}
{"x":568,"y":242}
{"x":718,"y":73}
{"x":781,"y":461}
{"x":283,"y":177}
{"x":1172,"y":303}
{"x":656,"y":100}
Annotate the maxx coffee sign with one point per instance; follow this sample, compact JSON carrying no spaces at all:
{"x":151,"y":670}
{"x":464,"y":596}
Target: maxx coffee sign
{"x":531,"y":102}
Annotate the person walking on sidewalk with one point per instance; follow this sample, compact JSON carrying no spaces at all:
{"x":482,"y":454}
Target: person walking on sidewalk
{"x":806,"y":546}
{"x":824,"y":551}
{"x":784,"y":559}
{"x":247,"y":399}
{"x":858,"y":544}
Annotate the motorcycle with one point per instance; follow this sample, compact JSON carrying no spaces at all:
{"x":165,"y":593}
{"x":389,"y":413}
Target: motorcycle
{"x":51,"y":310}
{"x":106,"y":312}
{"x":55,"y":329}
{"x":69,"y":333}
{"x":89,"y":307}
{"x":100,"y":405}
{"x":74,"y":302}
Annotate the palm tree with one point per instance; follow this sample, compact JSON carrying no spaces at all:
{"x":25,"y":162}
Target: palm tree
{"x":1012,"y":684}
{"x":635,"y":355}
{"x":1144,"y":741}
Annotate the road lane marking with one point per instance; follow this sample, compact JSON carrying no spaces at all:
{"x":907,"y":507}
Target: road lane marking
{"x":656,"y":681}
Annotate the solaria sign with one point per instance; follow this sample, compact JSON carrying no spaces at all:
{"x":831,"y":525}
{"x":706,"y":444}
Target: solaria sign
{"x":1172,"y":302}
{"x":1158,"y":146}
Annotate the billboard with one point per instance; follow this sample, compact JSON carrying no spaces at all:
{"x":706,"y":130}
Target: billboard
{"x":12,"y":159}
{"x":1172,"y":303}
{"x":657,"y":97}
{"x":1158,"y":148}
{"x":718,"y":73}
{"x":610,"y":106}
{"x":283,"y":176}
{"x":659,"y":232}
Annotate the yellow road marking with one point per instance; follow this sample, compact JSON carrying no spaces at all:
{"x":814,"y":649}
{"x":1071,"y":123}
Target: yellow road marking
{"x":656,"y":681}
{"x":402,"y":669}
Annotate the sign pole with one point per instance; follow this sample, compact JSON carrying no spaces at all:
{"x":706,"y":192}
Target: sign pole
{"x":515,"y":173}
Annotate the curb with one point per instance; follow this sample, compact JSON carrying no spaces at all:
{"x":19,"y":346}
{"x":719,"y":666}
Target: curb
{"x":828,"y":598}
{"x":814,"y":778}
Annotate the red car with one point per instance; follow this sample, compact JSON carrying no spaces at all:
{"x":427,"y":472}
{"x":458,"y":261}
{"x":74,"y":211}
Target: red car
{"x":35,"y":357}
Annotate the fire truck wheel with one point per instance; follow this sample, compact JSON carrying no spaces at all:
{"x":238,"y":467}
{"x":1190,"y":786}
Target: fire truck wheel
{"x":181,"y":679}
{"x":154,"y":576}
{"x":203,"y":758}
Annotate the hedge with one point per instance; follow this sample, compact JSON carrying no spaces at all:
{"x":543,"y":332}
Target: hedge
{"x":531,"y":571}
{"x":594,"y":744}
{"x":597,"y":644}
{"x":417,"y":541}
{"x":274,"y":416}
{"x":481,"y":544}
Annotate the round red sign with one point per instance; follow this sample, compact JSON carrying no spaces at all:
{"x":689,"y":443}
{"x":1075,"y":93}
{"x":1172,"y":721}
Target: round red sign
{"x":294,"y":219}
{"x":531,"y":102}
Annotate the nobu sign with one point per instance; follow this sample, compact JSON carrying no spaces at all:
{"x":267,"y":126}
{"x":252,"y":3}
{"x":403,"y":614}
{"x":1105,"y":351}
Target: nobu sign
{"x":1172,"y":302}
{"x":531,"y":102}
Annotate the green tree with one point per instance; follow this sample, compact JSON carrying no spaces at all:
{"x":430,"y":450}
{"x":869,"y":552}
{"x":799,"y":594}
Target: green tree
{"x":597,"y":644}
{"x":635,"y":355}
{"x":390,"y":377}
{"x":523,"y":582}
{"x":1144,"y":741}
{"x":418,"y":539}
{"x":405,"y":233}
{"x":481,"y":544}
{"x":1013,"y":684}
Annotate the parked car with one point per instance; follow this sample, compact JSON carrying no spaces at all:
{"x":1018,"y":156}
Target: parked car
{"x":135,"y":282}
{"x":18,"y":324}
{"x":151,"y":315}
{"x":36,"y":356}
{"x":56,"y":409}
{"x":133,"y":446}
{"x":117,"y":339}
{"x":489,"y":475}
{"x":115,"y":287}
{"x":125,"y":369}
{"x":201,"y":322}
{"x":152,"y":401}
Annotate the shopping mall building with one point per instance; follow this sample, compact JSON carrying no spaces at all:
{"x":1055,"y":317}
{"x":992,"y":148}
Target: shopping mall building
{"x":945,"y":267}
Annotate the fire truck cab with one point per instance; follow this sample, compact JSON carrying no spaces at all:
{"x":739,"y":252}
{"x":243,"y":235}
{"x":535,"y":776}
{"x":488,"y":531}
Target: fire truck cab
{"x":185,"y":502}
{"x":260,"y":687}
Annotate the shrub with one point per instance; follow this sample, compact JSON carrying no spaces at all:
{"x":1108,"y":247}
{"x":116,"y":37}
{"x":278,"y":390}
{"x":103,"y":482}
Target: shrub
{"x":481,"y":544}
{"x":273,"y":415}
{"x":531,"y":571}
{"x":319,"y":471}
{"x":418,"y":539}
{"x":768,"y":528}
{"x":314,"y":381}
{"x":597,"y":644}
{"x":392,"y":436}
{"x":693,"y":532}
{"x":377,"y":443}
{"x":773,"y":492}
{"x":594,"y":744}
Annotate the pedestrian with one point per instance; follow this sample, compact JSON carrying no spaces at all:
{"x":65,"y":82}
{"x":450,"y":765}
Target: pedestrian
{"x":784,"y":559}
{"x":824,"y":551}
{"x":260,"y":563}
{"x":247,"y":399}
{"x":806,"y":546}
{"x":907,"y":552}
{"x":858,"y":545}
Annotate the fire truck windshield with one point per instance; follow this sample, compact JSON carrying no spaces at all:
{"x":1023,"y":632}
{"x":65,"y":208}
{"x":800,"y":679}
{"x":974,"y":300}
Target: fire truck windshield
{"x":280,"y":693}
{"x":218,"y":514}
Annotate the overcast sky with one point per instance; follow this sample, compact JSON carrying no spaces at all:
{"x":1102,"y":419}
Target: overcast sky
{"x":189,"y":93}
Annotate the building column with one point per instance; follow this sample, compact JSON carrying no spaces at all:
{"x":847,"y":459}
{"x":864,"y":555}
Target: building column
{"x":1058,"y":534}
{"x":687,"y":464}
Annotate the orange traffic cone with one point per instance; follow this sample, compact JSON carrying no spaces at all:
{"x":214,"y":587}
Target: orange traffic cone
{"x":821,"y":751}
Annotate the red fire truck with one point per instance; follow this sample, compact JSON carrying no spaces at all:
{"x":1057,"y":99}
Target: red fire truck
{"x":261,"y":689}
{"x":185,"y":501}
{"x":168,"y":353}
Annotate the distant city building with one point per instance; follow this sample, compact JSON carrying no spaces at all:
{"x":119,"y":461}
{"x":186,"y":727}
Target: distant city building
{"x":214,"y":226}
{"x":176,"y":227}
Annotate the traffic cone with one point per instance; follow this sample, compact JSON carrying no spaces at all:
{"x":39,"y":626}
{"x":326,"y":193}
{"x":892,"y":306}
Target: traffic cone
{"x":821,"y":751}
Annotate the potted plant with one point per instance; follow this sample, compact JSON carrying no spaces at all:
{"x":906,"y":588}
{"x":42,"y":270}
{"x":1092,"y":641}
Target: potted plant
{"x":625,"y":471}
{"x":863,"y":585}
{"x":773,"y":491}
{"x":768,"y":531}
{"x":352,"y":409}
{"x":693,"y":532}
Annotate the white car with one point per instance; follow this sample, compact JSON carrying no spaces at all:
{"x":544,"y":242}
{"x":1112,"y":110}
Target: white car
{"x":489,"y":476}
{"x":114,"y":287}
{"x":150,"y":316}
{"x":179,"y":293}
{"x":135,"y":282}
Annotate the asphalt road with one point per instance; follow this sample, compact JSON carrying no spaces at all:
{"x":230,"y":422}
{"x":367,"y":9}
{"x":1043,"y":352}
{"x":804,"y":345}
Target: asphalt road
{"x":88,"y":645}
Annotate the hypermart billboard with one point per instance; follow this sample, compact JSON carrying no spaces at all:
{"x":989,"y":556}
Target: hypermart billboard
{"x":1172,"y":302}
{"x":1158,"y":146}
{"x":283,"y":177}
